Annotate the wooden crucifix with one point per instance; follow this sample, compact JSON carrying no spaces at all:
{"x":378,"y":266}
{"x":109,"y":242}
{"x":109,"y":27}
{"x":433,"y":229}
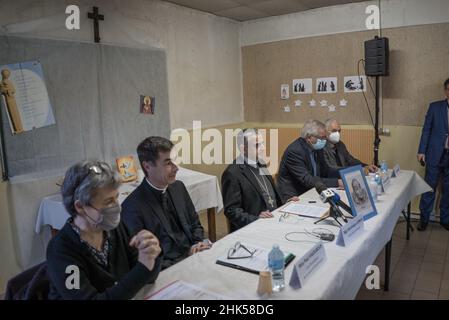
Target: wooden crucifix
{"x":96,"y":17}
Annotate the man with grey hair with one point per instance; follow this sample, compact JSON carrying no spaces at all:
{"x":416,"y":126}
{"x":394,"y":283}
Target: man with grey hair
{"x":336,"y":154}
{"x":302,"y":166}
{"x":249,"y":192}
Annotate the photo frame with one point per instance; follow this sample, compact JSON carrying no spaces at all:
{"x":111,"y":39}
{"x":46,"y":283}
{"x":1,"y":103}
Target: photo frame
{"x":358,"y":192}
{"x":147,"y":104}
{"x":127,"y":168}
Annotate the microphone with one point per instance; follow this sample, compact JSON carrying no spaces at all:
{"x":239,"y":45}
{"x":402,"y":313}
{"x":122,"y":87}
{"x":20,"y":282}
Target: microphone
{"x":327,"y":195}
{"x":340,"y":203}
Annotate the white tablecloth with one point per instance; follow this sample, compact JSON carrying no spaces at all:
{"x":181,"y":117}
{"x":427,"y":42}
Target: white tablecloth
{"x":203,"y":189}
{"x":339,"y":278}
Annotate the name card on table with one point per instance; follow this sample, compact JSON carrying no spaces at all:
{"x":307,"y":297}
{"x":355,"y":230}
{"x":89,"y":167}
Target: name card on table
{"x":385,"y":181}
{"x":307,"y":265}
{"x":350,"y":231}
{"x":395,"y":172}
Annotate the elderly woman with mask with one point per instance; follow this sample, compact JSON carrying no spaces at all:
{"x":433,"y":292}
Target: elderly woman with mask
{"x":93,"y":255}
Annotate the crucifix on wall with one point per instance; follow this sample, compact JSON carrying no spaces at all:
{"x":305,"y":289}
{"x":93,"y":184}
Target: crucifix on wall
{"x":96,"y":17}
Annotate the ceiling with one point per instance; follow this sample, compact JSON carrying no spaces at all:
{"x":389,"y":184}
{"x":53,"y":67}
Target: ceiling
{"x":243,"y":10}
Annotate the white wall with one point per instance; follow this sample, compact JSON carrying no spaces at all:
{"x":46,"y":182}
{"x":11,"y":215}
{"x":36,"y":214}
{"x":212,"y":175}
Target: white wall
{"x":204,"y":77}
{"x":203,"y":52}
{"x":343,"y":18}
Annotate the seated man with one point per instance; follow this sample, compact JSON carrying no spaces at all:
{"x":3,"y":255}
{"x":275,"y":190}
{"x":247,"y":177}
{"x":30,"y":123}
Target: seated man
{"x":249,"y":192}
{"x":336,"y":154}
{"x":162,"y":205}
{"x":303,"y":166}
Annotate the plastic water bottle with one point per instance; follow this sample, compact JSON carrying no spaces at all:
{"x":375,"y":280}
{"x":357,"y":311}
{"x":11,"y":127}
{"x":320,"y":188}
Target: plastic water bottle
{"x":378,"y":179}
{"x":276,"y":265}
{"x":383,"y":166}
{"x":373,"y":187}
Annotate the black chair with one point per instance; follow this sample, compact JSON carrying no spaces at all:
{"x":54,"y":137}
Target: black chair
{"x":32,"y":284}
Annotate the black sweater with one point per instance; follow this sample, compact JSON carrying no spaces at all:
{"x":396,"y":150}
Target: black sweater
{"x":122,"y":279}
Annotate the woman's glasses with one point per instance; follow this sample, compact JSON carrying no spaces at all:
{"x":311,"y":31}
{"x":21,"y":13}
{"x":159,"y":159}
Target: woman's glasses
{"x":237,"y":246}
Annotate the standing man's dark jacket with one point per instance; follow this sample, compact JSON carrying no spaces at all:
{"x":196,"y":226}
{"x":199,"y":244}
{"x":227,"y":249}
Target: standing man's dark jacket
{"x":180,"y":226}
{"x":337,"y":156}
{"x":296,"y":174}
{"x":123,"y":277}
{"x":243,"y":196}
{"x":434,"y":132}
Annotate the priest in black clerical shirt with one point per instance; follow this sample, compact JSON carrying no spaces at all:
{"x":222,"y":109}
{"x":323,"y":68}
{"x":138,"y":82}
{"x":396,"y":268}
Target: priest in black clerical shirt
{"x":249,"y":192}
{"x":162,"y":204}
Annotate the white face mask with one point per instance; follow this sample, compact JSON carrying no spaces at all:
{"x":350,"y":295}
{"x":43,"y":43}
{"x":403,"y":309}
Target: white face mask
{"x":334,"y":137}
{"x":109,"y":217}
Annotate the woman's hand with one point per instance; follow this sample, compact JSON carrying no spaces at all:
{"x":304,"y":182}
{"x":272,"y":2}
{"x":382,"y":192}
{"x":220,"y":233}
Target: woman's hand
{"x":148,"y":246}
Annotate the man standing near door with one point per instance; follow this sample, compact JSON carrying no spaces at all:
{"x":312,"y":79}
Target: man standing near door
{"x":433,"y":152}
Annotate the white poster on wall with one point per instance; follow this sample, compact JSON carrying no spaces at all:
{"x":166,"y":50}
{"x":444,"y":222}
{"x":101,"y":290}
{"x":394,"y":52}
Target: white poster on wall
{"x":25,"y":96}
{"x":355,"y":84}
{"x":302,"y":86}
{"x":326,"y":85}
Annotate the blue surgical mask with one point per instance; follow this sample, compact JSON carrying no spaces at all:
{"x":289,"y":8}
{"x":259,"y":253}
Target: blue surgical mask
{"x":320,"y":144}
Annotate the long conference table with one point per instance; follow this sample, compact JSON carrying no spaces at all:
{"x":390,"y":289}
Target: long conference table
{"x":340,"y":277}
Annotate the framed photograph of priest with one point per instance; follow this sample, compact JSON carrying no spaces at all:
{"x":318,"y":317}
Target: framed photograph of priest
{"x":358,"y":192}
{"x":147,"y":104}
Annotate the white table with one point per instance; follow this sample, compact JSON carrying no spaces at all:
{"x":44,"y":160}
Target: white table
{"x":339,"y":278}
{"x":203,"y":189}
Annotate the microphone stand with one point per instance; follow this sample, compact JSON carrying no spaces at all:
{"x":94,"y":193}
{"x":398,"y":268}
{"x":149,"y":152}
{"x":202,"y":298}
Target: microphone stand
{"x":333,"y":214}
{"x":346,"y":208}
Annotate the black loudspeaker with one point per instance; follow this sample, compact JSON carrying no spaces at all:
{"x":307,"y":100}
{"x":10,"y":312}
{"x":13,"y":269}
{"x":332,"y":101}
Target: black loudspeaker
{"x":377,"y":56}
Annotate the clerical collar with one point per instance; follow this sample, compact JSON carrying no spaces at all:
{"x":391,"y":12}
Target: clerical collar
{"x":156,"y":188}
{"x":250,"y":162}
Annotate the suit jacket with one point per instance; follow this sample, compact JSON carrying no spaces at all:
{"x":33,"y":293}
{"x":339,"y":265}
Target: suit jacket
{"x":296,"y":170}
{"x":142,"y":210}
{"x":346,"y":159}
{"x":434,"y":132}
{"x":242,"y":195}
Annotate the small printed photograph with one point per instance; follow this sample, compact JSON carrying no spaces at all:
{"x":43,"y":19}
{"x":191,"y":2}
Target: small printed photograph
{"x":355,"y":84}
{"x":302,"y":86}
{"x":285,"y":92}
{"x":127,"y":168}
{"x":147,"y":104}
{"x":357,"y":191}
{"x":326,"y":85}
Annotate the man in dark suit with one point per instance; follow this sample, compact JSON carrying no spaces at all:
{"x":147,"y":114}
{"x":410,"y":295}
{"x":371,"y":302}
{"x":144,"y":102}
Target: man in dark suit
{"x":433,"y":152}
{"x":303,"y":166}
{"x":161,"y":203}
{"x":336,"y":154}
{"x":249,"y":192}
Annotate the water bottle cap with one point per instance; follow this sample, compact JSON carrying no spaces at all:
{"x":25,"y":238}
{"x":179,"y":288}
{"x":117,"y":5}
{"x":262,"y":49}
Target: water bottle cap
{"x":275,"y":246}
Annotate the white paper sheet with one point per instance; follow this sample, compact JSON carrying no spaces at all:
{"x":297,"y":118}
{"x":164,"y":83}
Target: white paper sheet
{"x":181,"y":290}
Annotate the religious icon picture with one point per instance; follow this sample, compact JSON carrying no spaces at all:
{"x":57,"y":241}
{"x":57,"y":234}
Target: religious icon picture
{"x":355,"y":84}
{"x":302,"y":86}
{"x":358,"y":192}
{"x":285,"y":92}
{"x":127,"y":168}
{"x":147,"y":104}
{"x":326,"y":85}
